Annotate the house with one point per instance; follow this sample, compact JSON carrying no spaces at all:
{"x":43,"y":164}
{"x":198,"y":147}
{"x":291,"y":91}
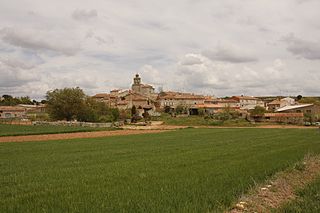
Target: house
{"x":143,"y":96}
{"x":12,"y":112}
{"x":278,"y":103}
{"x":41,"y":108}
{"x":248,"y":102}
{"x":288,"y":118}
{"x":212,"y":108}
{"x":309,"y":110}
{"x":173,"y":99}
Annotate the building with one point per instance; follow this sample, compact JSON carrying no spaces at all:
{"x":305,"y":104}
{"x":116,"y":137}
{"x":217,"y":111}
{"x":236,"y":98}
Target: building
{"x":310,"y":111}
{"x":173,"y":99}
{"x":144,"y":89}
{"x":143,"y":96}
{"x":248,"y":102}
{"x":12,"y":112}
{"x":287,"y":118}
{"x":278,"y":103}
{"x":41,"y":108}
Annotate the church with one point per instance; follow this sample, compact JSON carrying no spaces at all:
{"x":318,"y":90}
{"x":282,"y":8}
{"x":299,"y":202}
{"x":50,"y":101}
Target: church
{"x":144,"y":98}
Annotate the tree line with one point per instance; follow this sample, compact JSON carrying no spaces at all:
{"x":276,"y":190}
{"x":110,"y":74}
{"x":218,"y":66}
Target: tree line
{"x":73,"y":104}
{"x":8,"y":100}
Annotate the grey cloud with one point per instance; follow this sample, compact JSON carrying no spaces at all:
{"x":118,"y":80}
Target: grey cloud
{"x":15,"y":64}
{"x":14,"y":73}
{"x":191,"y":59}
{"x":36,"y":41}
{"x":228,"y":54}
{"x":84,"y":15}
{"x":304,"y":48}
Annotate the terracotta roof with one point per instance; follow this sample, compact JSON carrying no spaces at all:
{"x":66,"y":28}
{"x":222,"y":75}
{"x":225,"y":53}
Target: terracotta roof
{"x":245,"y":97}
{"x":122,"y":103}
{"x":115,"y":90}
{"x":101,"y":95}
{"x":275,"y":102}
{"x":180,"y":96}
{"x":226,"y":101}
{"x":283,"y":115}
{"x":213,"y":106}
{"x":12,"y":108}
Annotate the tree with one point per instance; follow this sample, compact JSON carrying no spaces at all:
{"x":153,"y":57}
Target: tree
{"x":180,"y":109}
{"x":146,"y":116}
{"x":67,"y":103}
{"x":299,"y":97}
{"x":258,"y":111}
{"x":133,"y":110}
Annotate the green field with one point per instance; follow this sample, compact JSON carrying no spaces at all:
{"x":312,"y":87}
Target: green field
{"x":190,"y":170}
{"x":13,"y":130}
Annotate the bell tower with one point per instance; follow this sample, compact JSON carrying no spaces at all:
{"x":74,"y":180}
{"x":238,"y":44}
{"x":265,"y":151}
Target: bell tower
{"x":136,"y":86}
{"x":137,"y":80}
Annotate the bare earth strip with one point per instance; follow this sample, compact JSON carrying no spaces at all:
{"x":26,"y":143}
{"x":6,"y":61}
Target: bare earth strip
{"x":280,"y":189}
{"x":97,"y":134}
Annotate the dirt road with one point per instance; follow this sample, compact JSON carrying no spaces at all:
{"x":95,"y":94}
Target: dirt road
{"x":97,"y":134}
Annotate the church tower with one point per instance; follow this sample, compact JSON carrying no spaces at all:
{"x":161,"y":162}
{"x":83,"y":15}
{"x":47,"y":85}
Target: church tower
{"x":136,"y":86}
{"x":137,"y":80}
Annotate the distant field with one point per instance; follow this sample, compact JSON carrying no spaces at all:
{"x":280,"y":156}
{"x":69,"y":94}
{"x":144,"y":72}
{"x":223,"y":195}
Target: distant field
{"x":200,"y":121}
{"x":190,"y":170}
{"x":12,"y":130}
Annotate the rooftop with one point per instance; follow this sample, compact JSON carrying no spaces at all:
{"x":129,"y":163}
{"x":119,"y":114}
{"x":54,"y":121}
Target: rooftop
{"x":293,"y":107}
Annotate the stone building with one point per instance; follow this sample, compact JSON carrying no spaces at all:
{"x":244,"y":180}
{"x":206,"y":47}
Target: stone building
{"x":278,"y":103}
{"x":144,"y":89}
{"x":310,"y":111}
{"x":174,"y":99}
{"x":248,"y":102}
{"x":12,"y":112}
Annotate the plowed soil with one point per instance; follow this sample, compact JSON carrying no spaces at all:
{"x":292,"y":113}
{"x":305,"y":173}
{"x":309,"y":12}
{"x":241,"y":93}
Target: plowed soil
{"x":97,"y":134}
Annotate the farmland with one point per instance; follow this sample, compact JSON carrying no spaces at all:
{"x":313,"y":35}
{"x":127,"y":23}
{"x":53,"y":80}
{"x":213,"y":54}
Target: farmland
{"x":308,"y":200}
{"x":13,"y":130}
{"x":190,"y":170}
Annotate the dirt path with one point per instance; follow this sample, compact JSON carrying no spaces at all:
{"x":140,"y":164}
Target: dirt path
{"x":280,"y":189}
{"x":97,"y":134}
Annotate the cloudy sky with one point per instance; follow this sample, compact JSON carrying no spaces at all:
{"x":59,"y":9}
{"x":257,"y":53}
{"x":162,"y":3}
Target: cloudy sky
{"x":251,"y":47}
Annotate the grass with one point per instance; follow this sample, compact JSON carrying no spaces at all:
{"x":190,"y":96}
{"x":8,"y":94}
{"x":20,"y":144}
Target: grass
{"x":308,"y":200}
{"x":190,"y":170}
{"x":195,"y":120}
{"x":14,"y":130}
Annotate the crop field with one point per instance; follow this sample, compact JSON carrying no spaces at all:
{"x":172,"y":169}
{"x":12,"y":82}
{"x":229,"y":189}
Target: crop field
{"x":308,"y":200}
{"x":13,"y":130}
{"x":189,"y":170}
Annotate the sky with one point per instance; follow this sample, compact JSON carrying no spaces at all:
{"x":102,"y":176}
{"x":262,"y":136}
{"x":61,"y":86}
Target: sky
{"x":212,"y":47}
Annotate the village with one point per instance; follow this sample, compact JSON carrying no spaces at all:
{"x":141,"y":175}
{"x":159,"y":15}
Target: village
{"x":145,"y":100}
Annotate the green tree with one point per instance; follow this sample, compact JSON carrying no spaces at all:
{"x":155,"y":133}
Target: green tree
{"x":180,"y":109}
{"x":67,"y":103}
{"x":258,"y":111}
{"x":133,"y":110}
